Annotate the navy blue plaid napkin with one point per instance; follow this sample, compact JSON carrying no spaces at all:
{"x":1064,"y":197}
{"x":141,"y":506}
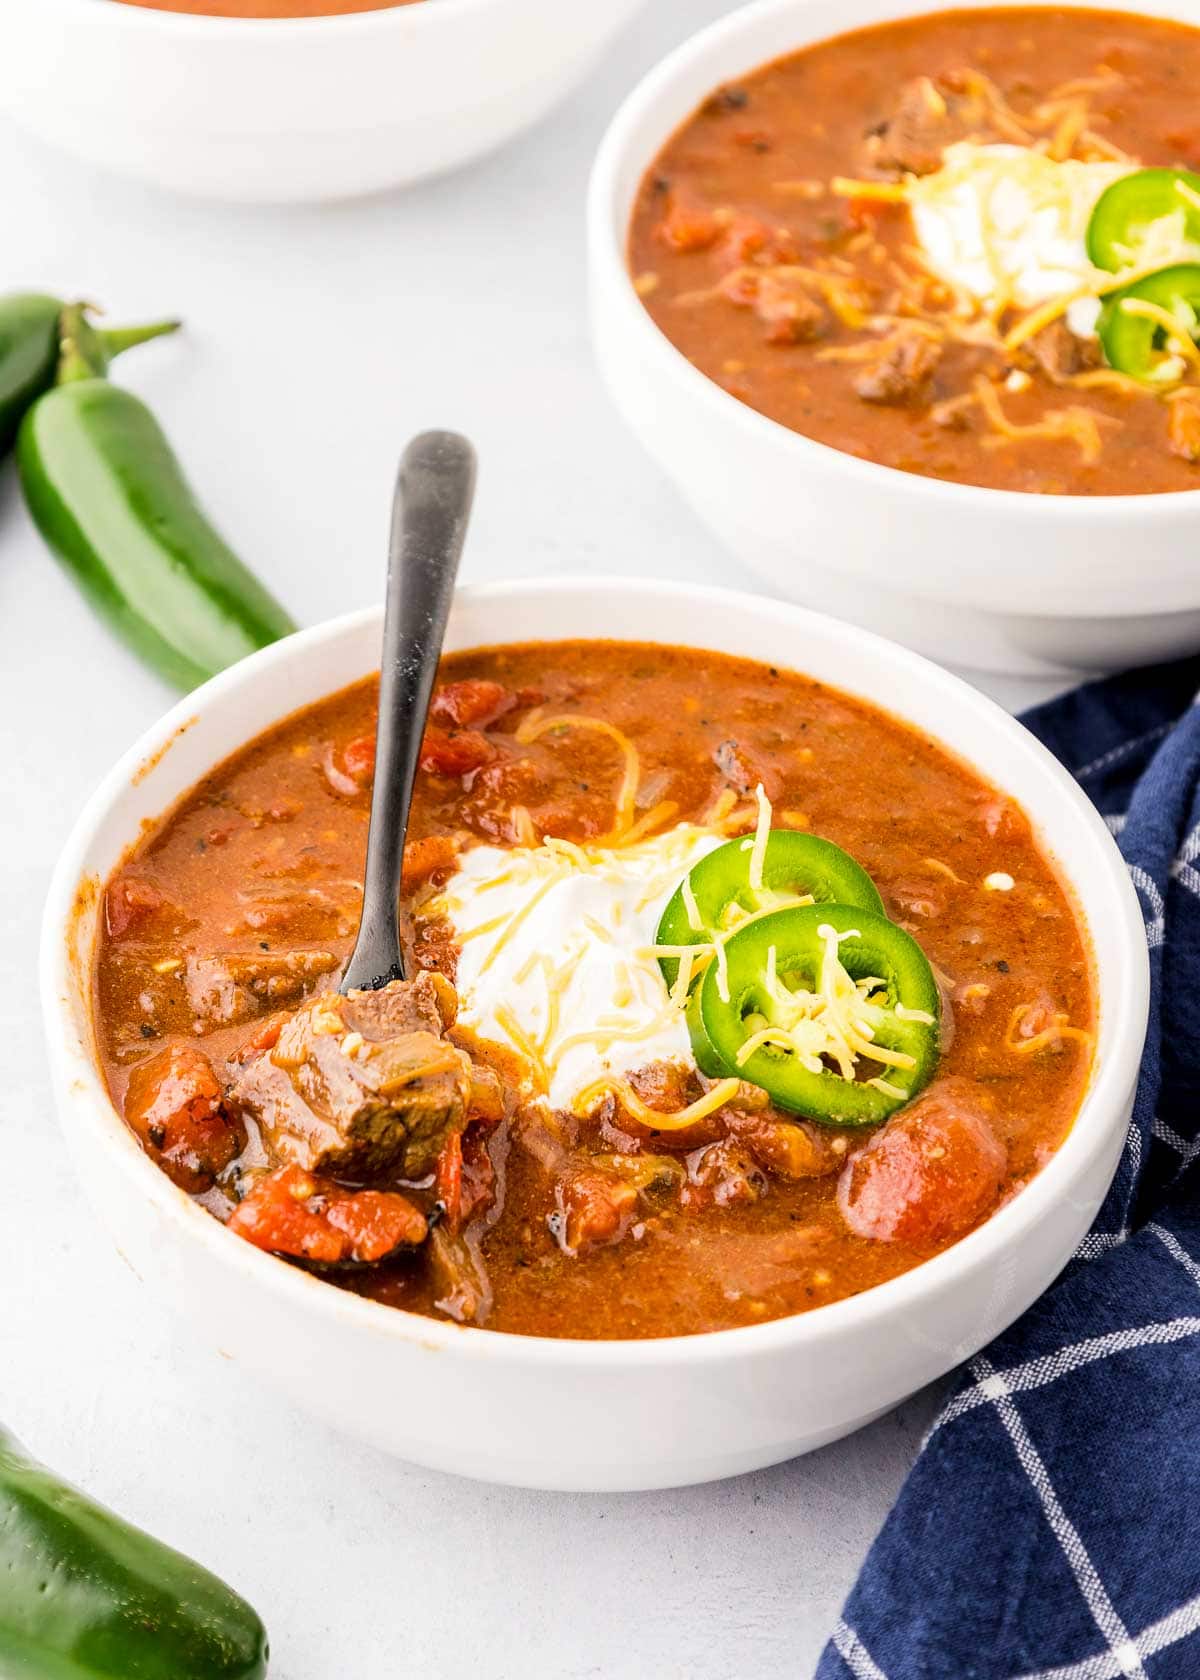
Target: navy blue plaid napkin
{"x":1050,"y":1529}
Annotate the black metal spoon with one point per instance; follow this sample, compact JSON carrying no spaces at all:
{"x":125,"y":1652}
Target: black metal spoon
{"x":434,"y":491}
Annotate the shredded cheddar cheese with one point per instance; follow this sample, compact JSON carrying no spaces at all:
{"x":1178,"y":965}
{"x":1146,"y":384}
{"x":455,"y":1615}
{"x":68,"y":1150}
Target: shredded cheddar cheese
{"x":1059,"y":1028}
{"x":676,"y":1120}
{"x":762,"y":834}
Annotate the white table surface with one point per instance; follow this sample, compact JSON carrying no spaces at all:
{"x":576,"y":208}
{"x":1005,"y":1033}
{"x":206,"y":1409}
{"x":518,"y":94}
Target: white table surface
{"x":317,"y":341}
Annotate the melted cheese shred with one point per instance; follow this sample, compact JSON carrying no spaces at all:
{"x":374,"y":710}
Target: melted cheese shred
{"x":1059,"y":1028}
{"x":674,"y":1120}
{"x":1060,"y":425}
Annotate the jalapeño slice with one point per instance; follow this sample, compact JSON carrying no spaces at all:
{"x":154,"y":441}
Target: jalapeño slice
{"x":1132,"y":224}
{"x":837,"y":1051}
{"x":704,"y":1052}
{"x":1137,"y":323}
{"x":794,"y":866}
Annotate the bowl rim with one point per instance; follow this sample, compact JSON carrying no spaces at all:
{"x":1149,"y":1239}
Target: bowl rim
{"x":608,"y":232}
{"x":189,"y":24}
{"x":1124,"y":1007}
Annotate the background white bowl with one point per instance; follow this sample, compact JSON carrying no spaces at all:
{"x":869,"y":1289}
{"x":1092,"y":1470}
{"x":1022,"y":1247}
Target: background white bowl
{"x":993,"y":579}
{"x":570,"y":1414}
{"x":292,"y":109}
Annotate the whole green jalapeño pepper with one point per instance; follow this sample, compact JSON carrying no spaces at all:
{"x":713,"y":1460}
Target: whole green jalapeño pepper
{"x":85,"y":1596}
{"x":30,"y":333}
{"x":109,"y":497}
{"x":28,"y":356}
{"x":1144,"y":327}
{"x":1151,"y":215}
{"x":799,"y":989}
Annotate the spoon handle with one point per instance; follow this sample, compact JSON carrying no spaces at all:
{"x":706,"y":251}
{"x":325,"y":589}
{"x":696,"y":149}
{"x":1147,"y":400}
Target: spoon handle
{"x":434,"y":491}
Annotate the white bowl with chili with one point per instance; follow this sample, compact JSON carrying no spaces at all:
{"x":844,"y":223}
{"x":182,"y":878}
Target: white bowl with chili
{"x":781,"y":270}
{"x":288,"y":109}
{"x":569,"y":1413}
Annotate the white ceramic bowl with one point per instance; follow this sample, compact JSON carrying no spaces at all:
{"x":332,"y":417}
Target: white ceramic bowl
{"x":993,"y":579}
{"x":572,"y":1414}
{"x":276,"y":110}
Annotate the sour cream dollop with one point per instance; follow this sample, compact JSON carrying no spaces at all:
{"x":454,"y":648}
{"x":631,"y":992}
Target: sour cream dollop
{"x":554,"y":954}
{"x":1008,"y":222}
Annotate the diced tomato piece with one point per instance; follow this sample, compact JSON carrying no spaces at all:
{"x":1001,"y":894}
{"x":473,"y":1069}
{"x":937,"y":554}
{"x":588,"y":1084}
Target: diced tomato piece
{"x":358,"y":758}
{"x":753,"y":139}
{"x":748,"y":239}
{"x":1183,"y":144}
{"x":292,"y":1213}
{"x":865,"y":214}
{"x":687,"y":225}
{"x":448,"y":1179}
{"x":173,"y":1106}
{"x":264,"y":1037}
{"x":594,"y":1209}
{"x":465,"y":1178}
{"x":376,"y":1223}
{"x":457,"y":753}
{"x":928,"y":1175}
{"x":424,"y":857}
{"x":472,"y":701}
{"x":129,"y":904}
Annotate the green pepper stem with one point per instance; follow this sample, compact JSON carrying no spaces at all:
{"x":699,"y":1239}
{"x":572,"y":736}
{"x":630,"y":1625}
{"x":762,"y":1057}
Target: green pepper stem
{"x":85,"y":351}
{"x":116,"y":339}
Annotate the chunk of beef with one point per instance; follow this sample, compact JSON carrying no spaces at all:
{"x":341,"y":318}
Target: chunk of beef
{"x":748,"y":239}
{"x":291,"y":1212}
{"x":433,"y":854}
{"x":593,"y":1208}
{"x":130,"y":905}
{"x":901,"y":368}
{"x":459,"y":1275}
{"x":1058,"y":352}
{"x":724,"y":1173}
{"x":173,"y":1106}
{"x":1183,"y":425}
{"x":929,"y":116}
{"x":363,"y":1086}
{"x":787,"y":1148}
{"x":928,"y":1175}
{"x":788,"y":312}
{"x":596,"y":1198}
{"x":225,"y":990}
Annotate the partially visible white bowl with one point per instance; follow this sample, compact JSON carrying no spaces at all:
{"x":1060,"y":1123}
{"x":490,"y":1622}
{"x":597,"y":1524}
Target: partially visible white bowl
{"x":573,"y":1414}
{"x":292,"y":109}
{"x":992,"y":579}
